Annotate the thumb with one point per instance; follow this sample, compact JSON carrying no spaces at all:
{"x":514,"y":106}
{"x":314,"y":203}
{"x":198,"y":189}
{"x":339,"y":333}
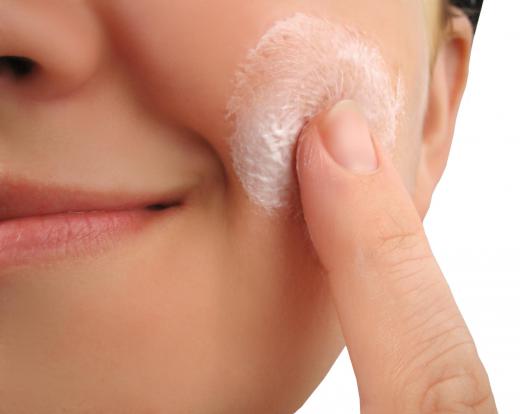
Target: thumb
{"x":410,"y":348}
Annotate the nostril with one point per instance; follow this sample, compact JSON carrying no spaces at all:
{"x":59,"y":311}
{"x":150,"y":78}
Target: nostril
{"x":18,"y":66}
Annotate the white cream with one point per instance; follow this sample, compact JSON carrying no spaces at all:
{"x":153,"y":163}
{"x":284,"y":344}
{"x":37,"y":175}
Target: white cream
{"x":301,"y":66}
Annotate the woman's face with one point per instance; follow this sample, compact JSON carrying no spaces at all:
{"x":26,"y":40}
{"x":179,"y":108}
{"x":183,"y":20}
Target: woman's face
{"x":211,"y":306}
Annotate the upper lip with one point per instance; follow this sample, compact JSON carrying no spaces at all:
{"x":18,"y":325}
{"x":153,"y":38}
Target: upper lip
{"x":21,"y":197}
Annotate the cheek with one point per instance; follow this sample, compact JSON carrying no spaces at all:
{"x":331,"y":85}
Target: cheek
{"x":300,"y":67}
{"x":409,"y":133}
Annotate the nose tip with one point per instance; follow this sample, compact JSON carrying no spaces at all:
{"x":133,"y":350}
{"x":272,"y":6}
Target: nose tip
{"x":47,"y":49}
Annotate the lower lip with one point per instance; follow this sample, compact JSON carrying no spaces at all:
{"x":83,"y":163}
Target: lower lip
{"x":67,"y":235}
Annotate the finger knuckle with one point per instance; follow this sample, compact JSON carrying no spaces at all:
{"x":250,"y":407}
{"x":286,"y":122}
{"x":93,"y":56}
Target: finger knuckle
{"x":400,"y":246}
{"x":465,"y":391}
{"x":393,"y":224}
{"x":453,"y":380}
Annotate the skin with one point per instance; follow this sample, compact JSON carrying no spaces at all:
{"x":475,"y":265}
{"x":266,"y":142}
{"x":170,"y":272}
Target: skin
{"x":216,"y":308}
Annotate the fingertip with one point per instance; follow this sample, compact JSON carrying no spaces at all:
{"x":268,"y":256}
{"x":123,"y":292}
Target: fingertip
{"x":346,"y":136}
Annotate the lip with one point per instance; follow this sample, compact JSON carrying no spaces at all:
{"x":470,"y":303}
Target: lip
{"x":41,"y":222}
{"x":24,"y":198}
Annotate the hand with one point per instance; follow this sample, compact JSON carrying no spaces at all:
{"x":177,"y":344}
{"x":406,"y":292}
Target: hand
{"x":410,"y":348}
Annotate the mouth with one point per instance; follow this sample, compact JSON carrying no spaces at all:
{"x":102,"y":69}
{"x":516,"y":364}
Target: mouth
{"x":41,"y":223}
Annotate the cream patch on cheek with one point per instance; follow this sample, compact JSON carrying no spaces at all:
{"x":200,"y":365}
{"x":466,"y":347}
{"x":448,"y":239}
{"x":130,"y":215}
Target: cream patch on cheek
{"x":300,"y":67}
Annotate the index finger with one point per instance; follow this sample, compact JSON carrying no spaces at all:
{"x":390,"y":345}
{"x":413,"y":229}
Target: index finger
{"x":409,"y":345}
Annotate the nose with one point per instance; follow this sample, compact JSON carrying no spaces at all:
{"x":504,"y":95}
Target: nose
{"x":47,"y":48}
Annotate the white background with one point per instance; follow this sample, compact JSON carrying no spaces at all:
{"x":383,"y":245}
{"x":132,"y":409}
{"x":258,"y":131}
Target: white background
{"x":473,"y":224}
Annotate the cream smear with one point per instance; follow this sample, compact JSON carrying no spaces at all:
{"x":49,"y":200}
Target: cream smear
{"x":301,"y":66}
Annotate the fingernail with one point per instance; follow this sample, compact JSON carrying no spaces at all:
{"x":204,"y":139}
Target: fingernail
{"x":346,"y":136}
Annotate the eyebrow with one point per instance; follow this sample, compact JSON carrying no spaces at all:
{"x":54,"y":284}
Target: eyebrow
{"x":472,"y":8}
